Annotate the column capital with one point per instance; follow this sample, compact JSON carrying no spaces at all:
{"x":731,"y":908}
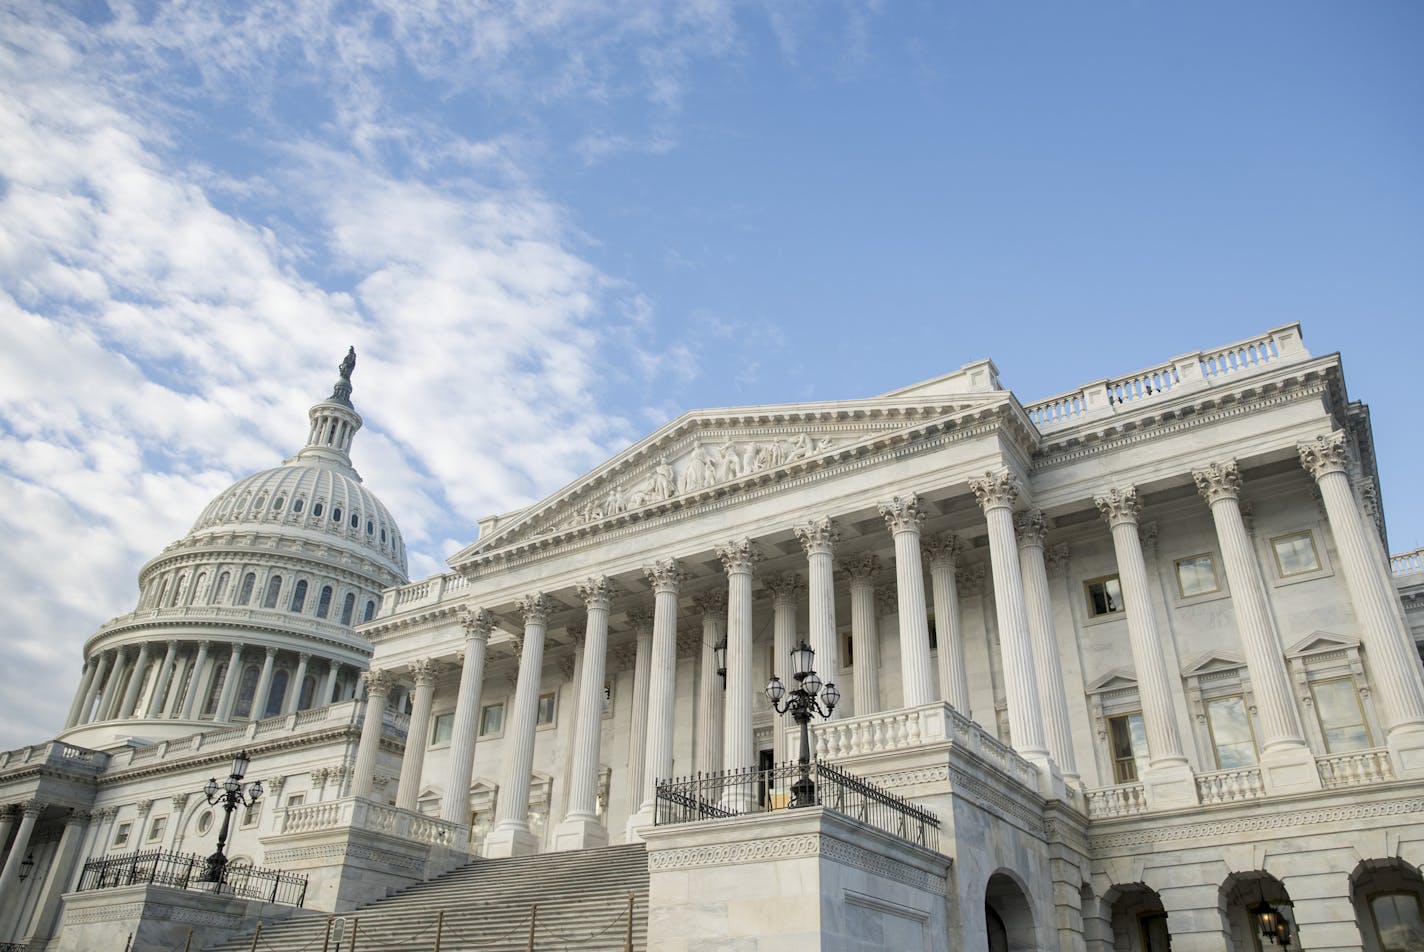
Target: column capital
{"x":1218,"y":481}
{"x":237,"y":647}
{"x":1325,"y":454}
{"x":641,"y":618}
{"x":861,"y":567}
{"x":77,"y":817}
{"x":271,"y":652}
{"x":1056,"y":558}
{"x":887,"y":600}
{"x":173,"y":645}
{"x":144,"y":806}
{"x":378,"y":682}
{"x":8,"y":810}
{"x":996,"y":490}
{"x":304,"y":657}
{"x":1031,"y":526}
{"x":577,"y":633}
{"x":969,"y":579}
{"x":739,"y":556}
{"x":819,"y":536}
{"x":34,"y":806}
{"x":786,"y":587}
{"x":941,"y":549}
{"x":1147,"y":534}
{"x":179,"y":800}
{"x":1119,"y":506}
{"x":535,"y":608}
{"x":424,"y":671}
{"x":903,"y":513}
{"x":477,"y":623}
{"x":666,"y":575}
{"x":597,"y":591}
{"x":711,"y":603}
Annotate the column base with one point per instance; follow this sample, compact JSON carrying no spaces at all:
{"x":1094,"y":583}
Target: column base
{"x":1289,"y":769}
{"x":635,"y":823}
{"x":1406,"y":748}
{"x":580,"y":833}
{"x":511,"y":840}
{"x":1170,"y":785}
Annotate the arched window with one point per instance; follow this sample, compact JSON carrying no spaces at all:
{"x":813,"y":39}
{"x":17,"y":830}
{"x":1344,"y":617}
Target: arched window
{"x":304,"y":700}
{"x":180,"y":589}
{"x":348,"y":607}
{"x":323,"y":604}
{"x":246,"y":691}
{"x":278,"y":694}
{"x":370,"y":610}
{"x":210,"y":706}
{"x":244,"y":594}
{"x":220,"y":589}
{"x":197,"y":587}
{"x":162,"y":594}
{"x":274,"y":588}
{"x":299,"y":595}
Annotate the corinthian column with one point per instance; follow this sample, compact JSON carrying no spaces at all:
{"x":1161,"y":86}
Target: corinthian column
{"x":81,"y":695}
{"x":378,"y":691}
{"x":455,"y":807}
{"x":1030,"y":525}
{"x":642,"y":621}
{"x":1389,"y":648}
{"x":711,"y":690}
{"x":165,"y":673}
{"x":18,"y":851}
{"x":1168,"y":779}
{"x":943,"y":555}
{"x":264,"y":687}
{"x":786,"y":591}
{"x":819,"y":537}
{"x":295,"y":686}
{"x":511,"y":835}
{"x":904,"y":517}
{"x":96,"y":686}
{"x":864,"y":631}
{"x":581,"y":828}
{"x":126,"y":708}
{"x":111,"y":685}
{"x":191,"y":703}
{"x":229,"y":691}
{"x":738,"y":746}
{"x":666,"y":577}
{"x":1287,"y":760}
{"x":424,"y":672}
{"x":996,"y":493}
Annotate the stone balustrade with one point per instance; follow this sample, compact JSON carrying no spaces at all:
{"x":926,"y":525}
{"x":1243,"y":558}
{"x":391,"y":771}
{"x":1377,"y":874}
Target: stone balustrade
{"x":1407,"y":563}
{"x":1230,"y":786}
{"x":358,"y":813}
{"x":1124,"y":799}
{"x":430,"y":591}
{"x":54,"y":754}
{"x":1356,"y":768}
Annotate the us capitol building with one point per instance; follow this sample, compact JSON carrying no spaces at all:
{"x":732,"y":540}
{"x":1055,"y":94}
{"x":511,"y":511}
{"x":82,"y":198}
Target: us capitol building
{"x":1128,"y":668}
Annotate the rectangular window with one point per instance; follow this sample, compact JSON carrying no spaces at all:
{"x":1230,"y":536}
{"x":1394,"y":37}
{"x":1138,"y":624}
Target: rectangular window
{"x":1196,"y":575}
{"x":156,"y":827}
{"x":444,"y":727}
{"x":296,"y":800}
{"x":121,"y":836}
{"x":1104,"y":596}
{"x":1231,"y":732}
{"x":492,"y":719}
{"x":1295,"y":554}
{"x":252,"y":814}
{"x":546,"y":709}
{"x":1128,"y":736}
{"x":1341,"y":719}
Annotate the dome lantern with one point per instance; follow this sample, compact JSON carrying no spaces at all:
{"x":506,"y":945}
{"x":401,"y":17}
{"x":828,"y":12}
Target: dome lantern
{"x":334,"y":421}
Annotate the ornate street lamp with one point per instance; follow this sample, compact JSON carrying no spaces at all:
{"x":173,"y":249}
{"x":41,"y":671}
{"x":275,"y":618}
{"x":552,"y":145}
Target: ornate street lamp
{"x":230,"y":793}
{"x":810,"y":697}
{"x":719,"y":652}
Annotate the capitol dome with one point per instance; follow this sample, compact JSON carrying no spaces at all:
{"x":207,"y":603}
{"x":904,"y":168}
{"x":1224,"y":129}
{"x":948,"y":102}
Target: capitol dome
{"x":252,"y":613}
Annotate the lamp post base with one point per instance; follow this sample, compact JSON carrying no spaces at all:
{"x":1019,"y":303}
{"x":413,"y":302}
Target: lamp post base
{"x":803,"y":793}
{"x":213,"y":873}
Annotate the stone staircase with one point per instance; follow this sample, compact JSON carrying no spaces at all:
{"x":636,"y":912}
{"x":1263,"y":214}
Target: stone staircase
{"x":581,"y":897}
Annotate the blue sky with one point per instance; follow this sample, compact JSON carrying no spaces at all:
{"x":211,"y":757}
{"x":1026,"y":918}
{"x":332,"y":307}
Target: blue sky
{"x":549,"y":227}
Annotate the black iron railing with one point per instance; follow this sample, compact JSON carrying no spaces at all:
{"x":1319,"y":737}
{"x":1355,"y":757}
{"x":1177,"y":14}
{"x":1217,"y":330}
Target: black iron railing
{"x":191,"y":871}
{"x":718,"y":796}
{"x":12,"y":947}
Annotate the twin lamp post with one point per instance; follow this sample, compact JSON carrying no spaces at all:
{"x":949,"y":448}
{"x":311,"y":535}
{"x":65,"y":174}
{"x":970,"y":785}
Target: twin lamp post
{"x":231,"y":794}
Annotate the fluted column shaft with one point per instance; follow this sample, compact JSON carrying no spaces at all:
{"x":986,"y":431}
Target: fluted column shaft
{"x":786,"y":591}
{"x":1031,"y":526}
{"x":904,"y":517}
{"x":512,"y":811}
{"x":229,"y":690}
{"x":196,"y":685}
{"x":864,"y":632}
{"x":165,"y":674}
{"x":126,"y":708}
{"x":97,"y":685}
{"x":597,"y":595}
{"x":642,"y":621}
{"x":18,"y":851}
{"x":294,"y":687}
{"x":1277,"y":716}
{"x":413,"y":760}
{"x":264,"y":687}
{"x":333,"y":670}
{"x":1393,"y":661}
{"x":455,"y":807}
{"x":111,"y":697}
{"x":953,"y":675}
{"x":1120,"y":508}
{"x":996,"y":493}
{"x":738,"y":747}
{"x":177,"y":688}
{"x":666,"y":577}
{"x":61,"y":870}
{"x":818,"y":539}
{"x":378,"y":691}
{"x":711,"y":719}
{"x":81,"y":695}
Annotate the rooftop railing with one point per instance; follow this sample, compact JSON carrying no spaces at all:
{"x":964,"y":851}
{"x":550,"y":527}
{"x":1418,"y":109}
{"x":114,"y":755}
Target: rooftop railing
{"x":1407,"y":563}
{"x":733,"y":793}
{"x":191,"y":871}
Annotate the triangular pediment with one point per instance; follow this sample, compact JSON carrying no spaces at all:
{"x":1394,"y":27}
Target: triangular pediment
{"x":1215,"y":661}
{"x":708,"y":454}
{"x":1118,"y":680}
{"x":1320,"y":642}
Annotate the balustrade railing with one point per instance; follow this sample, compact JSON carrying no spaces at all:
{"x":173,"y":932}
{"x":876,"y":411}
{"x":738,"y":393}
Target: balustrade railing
{"x":732,"y":793}
{"x":1125,"y":799}
{"x":191,"y":871}
{"x":1058,"y":409}
{"x":1358,"y":768}
{"x":358,"y":813}
{"x":1230,"y":786}
{"x":1143,"y":384}
{"x":1407,"y":563}
{"x":55,"y":754}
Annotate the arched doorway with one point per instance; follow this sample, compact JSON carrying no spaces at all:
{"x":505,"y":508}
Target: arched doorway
{"x":1007,"y":915}
{"x":1139,"y":923}
{"x":1259,"y":912}
{"x":1389,"y":905}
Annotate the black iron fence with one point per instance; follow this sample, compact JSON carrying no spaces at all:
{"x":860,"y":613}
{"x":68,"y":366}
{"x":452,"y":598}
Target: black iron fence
{"x":717,"y":796}
{"x":191,"y":871}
